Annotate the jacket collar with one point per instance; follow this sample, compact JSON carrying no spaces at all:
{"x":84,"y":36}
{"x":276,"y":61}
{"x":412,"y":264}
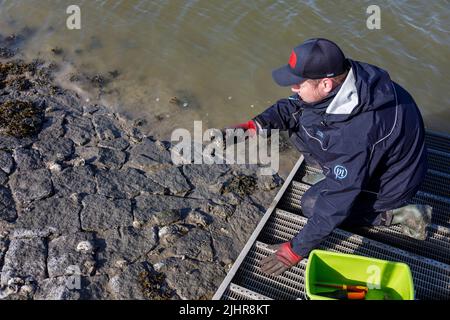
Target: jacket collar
{"x":346,"y":100}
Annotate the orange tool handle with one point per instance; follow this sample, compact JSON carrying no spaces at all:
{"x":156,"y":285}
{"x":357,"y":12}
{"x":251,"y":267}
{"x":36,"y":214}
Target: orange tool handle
{"x":344,"y":295}
{"x":345,"y":287}
{"x":355,"y":288}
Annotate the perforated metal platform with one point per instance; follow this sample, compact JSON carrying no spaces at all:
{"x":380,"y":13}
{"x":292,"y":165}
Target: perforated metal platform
{"x":429,"y":260}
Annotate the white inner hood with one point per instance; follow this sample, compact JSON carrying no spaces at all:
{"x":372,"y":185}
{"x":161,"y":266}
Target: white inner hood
{"x":347,"y":97}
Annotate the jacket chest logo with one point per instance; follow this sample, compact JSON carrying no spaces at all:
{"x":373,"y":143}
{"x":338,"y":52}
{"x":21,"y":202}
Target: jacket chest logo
{"x":340,"y":172}
{"x":320,"y":134}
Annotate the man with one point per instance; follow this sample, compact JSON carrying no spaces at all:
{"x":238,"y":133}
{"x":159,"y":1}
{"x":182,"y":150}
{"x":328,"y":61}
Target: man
{"x":367,"y":135}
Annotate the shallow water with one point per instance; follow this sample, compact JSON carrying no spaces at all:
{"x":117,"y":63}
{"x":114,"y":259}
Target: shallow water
{"x":216,"y":57}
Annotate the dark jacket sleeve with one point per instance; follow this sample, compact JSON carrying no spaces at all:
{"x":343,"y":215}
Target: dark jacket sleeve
{"x":333,"y":197}
{"x":281,"y":115}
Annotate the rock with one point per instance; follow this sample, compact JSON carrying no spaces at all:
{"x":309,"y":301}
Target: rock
{"x":7,"y":207}
{"x":148,"y":205}
{"x":106,"y":126}
{"x":101,"y":213}
{"x":263,"y":199}
{"x":52,"y":127}
{"x":3,"y":177}
{"x":55,"y":149}
{"x":95,"y":288}
{"x":205,"y":173}
{"x":137,"y":224}
{"x":195,"y":245}
{"x":128,"y":284}
{"x":25,"y":258}
{"x":69,"y":100}
{"x":102,"y":157}
{"x":226,"y":247}
{"x":168,"y":230}
{"x":245,"y":169}
{"x":198,"y":218}
{"x":88,"y":154}
{"x":6,"y":162}
{"x":125,"y":183}
{"x":54,"y":167}
{"x":28,"y":159}
{"x":73,"y":287}
{"x":61,"y":288}
{"x":192,"y":280}
{"x":269,"y":182}
{"x":28,"y":186}
{"x":148,"y":155}
{"x":90,"y":109}
{"x":12,"y":289}
{"x":52,"y":215}
{"x":80,"y":130}
{"x":223,"y":211}
{"x":4,"y":242}
{"x":181,"y":155}
{"x":75,"y":180}
{"x":111,"y":158}
{"x":134,"y":134}
{"x":131,"y":127}
{"x":24,"y":233}
{"x":166,"y":217}
{"x":76,"y":162}
{"x":64,"y":254}
{"x":27,"y":289}
{"x":212,"y":192}
{"x":172,"y":179}
{"x":85,"y":246}
{"x":169,"y":234}
{"x":96,"y":109}
{"x":244,"y":220}
{"x":9,"y":142}
{"x":117,"y":144}
{"x":126,"y":244}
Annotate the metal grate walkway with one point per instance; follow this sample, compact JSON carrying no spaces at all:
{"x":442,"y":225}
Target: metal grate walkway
{"x":429,"y":260}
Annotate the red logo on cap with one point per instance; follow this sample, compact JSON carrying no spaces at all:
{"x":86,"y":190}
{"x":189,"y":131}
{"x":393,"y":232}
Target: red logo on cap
{"x":293,"y":60}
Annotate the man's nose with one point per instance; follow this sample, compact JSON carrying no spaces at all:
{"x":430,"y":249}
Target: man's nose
{"x":295,"y":86}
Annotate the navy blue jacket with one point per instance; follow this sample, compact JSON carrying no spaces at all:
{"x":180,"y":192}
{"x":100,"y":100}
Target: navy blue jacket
{"x":368,"y":137}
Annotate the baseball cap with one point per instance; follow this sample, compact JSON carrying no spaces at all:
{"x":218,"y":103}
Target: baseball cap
{"x":314,"y":59}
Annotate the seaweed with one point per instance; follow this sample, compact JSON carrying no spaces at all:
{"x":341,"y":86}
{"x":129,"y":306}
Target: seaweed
{"x":20,"y":118}
{"x":20,"y":83}
{"x":241,"y":185}
{"x":153,"y":286}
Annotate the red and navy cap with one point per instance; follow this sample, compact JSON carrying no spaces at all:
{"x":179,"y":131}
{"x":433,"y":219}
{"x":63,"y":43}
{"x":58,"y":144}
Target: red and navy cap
{"x":314,"y":59}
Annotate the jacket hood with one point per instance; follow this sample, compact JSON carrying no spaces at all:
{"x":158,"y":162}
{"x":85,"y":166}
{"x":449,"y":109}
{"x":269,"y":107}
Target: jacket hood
{"x":366,"y":88}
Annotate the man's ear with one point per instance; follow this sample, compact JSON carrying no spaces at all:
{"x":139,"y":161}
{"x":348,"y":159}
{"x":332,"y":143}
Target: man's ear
{"x":327,"y":85}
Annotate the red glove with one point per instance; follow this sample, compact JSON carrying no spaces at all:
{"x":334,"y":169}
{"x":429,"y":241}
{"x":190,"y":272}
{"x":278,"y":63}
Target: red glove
{"x":280,"y":261}
{"x":227,"y":132}
{"x":249,"y":125}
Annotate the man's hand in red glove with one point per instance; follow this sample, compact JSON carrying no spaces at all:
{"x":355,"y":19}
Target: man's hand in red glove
{"x":280,"y":261}
{"x":228,"y":132}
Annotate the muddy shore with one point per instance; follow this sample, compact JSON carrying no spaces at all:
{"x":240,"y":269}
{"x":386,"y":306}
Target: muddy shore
{"x":91,"y":207}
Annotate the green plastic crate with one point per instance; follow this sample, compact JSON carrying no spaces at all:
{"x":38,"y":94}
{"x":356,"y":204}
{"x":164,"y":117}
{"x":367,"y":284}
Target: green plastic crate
{"x":389,"y":280}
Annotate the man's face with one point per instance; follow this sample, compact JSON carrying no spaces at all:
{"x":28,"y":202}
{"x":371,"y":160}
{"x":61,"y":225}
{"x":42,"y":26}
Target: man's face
{"x":312,"y":91}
